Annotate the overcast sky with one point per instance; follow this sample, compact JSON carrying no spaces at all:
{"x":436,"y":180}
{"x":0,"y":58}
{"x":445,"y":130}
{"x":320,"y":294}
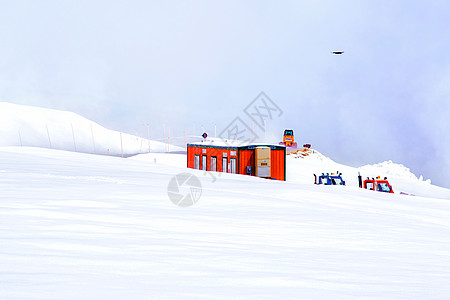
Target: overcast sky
{"x":124,"y":64}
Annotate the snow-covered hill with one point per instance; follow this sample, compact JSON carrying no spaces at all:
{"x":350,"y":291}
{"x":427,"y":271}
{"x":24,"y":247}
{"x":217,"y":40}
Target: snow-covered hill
{"x":301,"y":169}
{"x":47,"y":128}
{"x":82,"y":226}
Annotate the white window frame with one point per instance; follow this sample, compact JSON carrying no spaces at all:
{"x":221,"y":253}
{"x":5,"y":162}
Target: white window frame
{"x":197,"y":162}
{"x":204,"y":162}
{"x":225,"y":164}
{"x":233,"y":165}
{"x":213,"y":163}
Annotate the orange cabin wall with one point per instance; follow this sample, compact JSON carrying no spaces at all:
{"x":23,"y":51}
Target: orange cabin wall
{"x":244,"y":157}
{"x":278,"y":161}
{"x":210,"y":151}
{"x":190,"y":157}
{"x":218,"y":152}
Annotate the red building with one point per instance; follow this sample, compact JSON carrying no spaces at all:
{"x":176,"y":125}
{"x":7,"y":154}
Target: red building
{"x":262,"y":160}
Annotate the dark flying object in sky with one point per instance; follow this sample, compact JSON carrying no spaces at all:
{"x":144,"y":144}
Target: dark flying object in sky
{"x":337,"y":52}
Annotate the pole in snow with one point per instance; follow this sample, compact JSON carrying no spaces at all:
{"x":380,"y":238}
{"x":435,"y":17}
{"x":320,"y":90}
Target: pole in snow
{"x":93,"y":142}
{"x":359,"y":180}
{"x":168,"y":141}
{"x":121,"y":144}
{"x":251,"y":132}
{"x":48,"y":134}
{"x":265,"y":134}
{"x":20,"y":139}
{"x":148,"y":132}
{"x":73,"y":135}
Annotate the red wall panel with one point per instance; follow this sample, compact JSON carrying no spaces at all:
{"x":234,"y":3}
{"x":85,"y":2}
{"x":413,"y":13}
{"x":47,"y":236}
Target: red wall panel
{"x":278,"y":160}
{"x":210,"y":151}
{"x":245,"y":157}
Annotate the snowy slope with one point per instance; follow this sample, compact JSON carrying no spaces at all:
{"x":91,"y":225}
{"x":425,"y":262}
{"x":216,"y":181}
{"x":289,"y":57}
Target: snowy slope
{"x":47,"y":128}
{"x":301,"y":169}
{"x":79,"y":226}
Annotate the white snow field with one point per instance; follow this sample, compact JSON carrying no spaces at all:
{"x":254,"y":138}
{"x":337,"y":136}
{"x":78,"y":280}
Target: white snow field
{"x":84,"y":226}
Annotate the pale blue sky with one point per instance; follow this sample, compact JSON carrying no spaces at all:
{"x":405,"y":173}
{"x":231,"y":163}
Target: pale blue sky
{"x":173,"y":63}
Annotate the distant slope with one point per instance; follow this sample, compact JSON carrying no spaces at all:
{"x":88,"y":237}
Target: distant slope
{"x":47,"y":128}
